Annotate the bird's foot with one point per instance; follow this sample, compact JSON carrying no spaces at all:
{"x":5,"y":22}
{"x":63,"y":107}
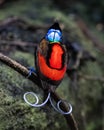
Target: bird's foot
{"x":31,"y":70}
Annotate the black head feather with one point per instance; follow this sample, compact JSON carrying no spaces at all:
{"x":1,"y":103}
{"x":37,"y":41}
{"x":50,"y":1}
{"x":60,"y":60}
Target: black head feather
{"x":56,"y":26}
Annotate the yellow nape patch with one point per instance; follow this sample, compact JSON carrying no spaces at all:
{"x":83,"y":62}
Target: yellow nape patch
{"x":55,"y":42}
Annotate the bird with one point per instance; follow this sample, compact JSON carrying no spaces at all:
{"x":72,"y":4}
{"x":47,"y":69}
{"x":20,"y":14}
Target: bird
{"x":51,"y":66}
{"x":51,"y":58}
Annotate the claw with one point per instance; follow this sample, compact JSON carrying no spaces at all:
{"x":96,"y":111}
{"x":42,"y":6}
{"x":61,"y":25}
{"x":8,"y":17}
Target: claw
{"x":31,"y":70}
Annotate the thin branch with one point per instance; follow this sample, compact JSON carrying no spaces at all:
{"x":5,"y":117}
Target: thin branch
{"x":21,"y":22}
{"x":19,"y":68}
{"x":25,"y":24}
{"x":81,"y":24}
{"x":17,"y":43}
{"x":21,"y":45}
{"x":24,"y":71}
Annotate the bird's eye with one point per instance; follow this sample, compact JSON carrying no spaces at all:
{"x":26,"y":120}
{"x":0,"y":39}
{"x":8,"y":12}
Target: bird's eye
{"x":54,"y":35}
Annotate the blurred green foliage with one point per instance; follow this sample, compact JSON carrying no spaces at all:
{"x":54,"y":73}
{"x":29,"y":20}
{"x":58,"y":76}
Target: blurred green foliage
{"x":92,"y":10}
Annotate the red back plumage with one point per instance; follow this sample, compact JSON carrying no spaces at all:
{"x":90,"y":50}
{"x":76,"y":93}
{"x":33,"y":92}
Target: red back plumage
{"x":51,"y":59}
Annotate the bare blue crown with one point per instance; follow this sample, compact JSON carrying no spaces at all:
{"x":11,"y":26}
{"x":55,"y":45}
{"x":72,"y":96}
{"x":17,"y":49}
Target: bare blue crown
{"x":54,"y":35}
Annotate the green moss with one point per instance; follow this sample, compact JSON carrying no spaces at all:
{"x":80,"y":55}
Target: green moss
{"x":19,"y":116}
{"x":15,"y":113}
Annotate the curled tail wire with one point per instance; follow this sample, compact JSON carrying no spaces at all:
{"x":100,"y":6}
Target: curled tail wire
{"x":57,"y":107}
{"x":37,"y":99}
